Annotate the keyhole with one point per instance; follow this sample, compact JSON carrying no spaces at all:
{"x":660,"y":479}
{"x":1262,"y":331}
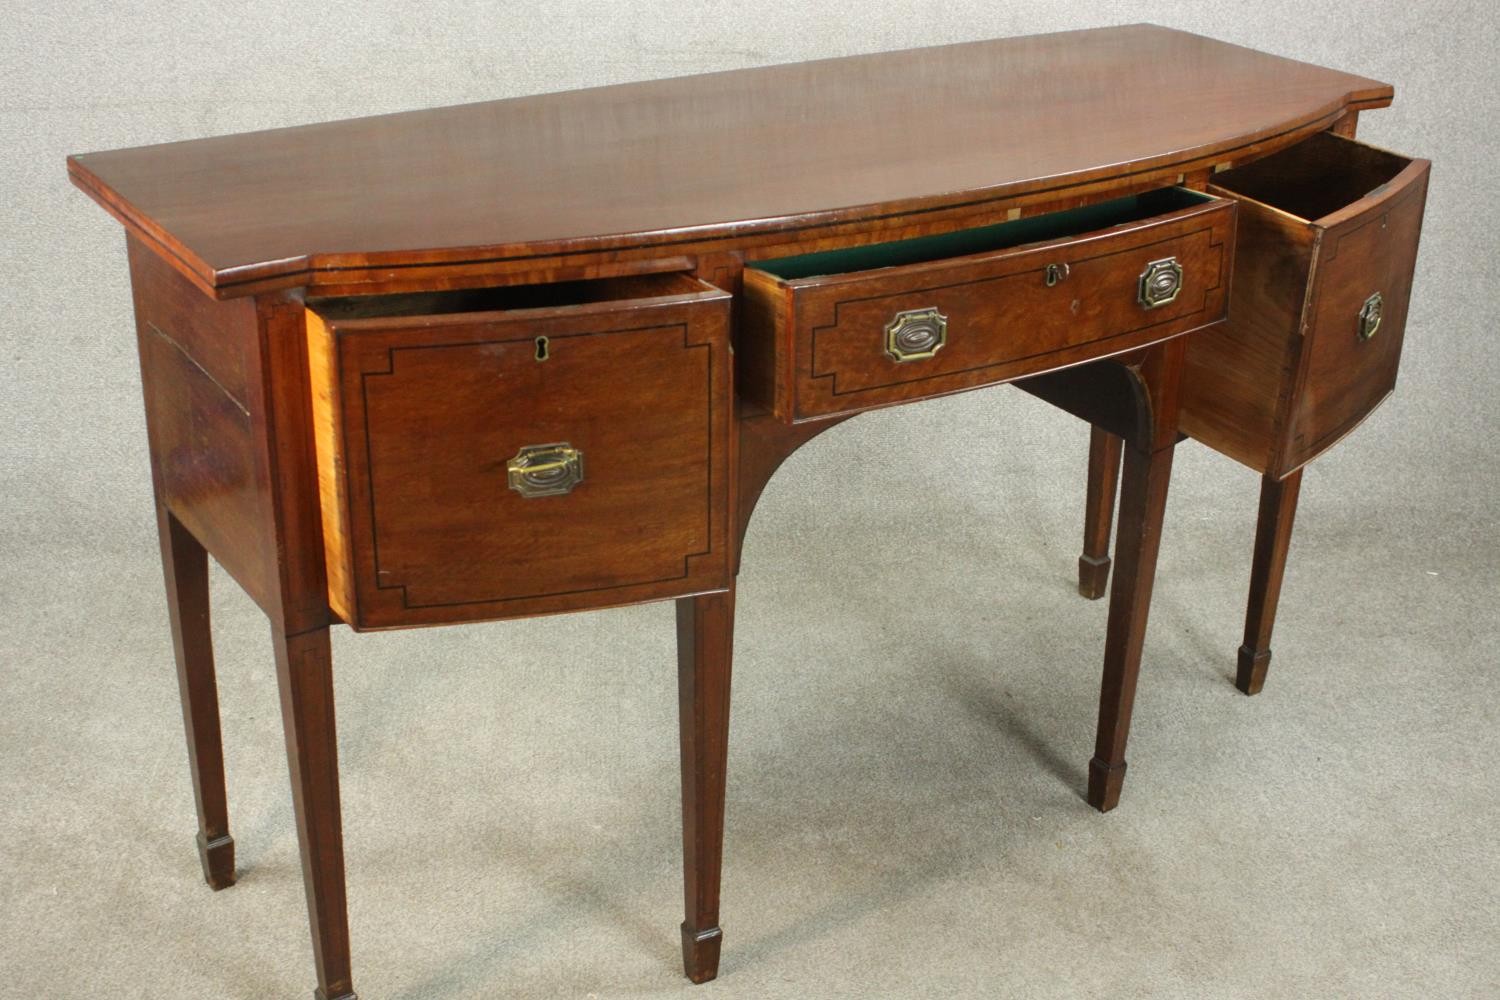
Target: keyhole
{"x":541,"y":349}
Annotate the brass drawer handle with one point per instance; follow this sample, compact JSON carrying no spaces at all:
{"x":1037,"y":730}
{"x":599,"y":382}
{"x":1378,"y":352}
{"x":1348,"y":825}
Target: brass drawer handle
{"x":1161,"y":282}
{"x":1369,"y":316}
{"x":914,"y":334}
{"x":545,"y":470}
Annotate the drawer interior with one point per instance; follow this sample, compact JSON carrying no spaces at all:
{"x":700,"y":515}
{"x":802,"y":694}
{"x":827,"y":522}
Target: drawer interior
{"x":1036,"y":229}
{"x":1316,"y":177}
{"x":507,"y":298}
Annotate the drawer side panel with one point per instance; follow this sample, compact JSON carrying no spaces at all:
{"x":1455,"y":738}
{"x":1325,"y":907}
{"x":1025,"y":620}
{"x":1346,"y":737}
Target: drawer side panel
{"x":1238,"y":375}
{"x":328,"y":442}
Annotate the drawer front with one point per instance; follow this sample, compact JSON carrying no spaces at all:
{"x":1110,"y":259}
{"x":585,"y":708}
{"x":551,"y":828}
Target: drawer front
{"x":511,"y":464}
{"x":854,"y":341}
{"x":1355,"y":318}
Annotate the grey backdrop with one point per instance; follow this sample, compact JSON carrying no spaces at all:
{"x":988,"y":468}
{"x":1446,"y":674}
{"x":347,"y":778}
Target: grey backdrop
{"x":915,"y":679}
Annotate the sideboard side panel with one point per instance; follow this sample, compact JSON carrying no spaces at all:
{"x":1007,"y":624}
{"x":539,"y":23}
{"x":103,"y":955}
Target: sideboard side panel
{"x":197,"y":363}
{"x":228,"y":414}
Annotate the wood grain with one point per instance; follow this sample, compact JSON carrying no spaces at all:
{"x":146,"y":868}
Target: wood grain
{"x":198,"y":359}
{"x":218,"y":338}
{"x":725,"y":156}
{"x":705,"y":645}
{"x":299,"y":616}
{"x":1273,"y":539}
{"x":1103,"y":480}
{"x":1322,"y":225}
{"x":1367,"y":248}
{"x":1239,"y":374}
{"x":421,"y":522}
{"x":1003,"y":321}
{"x":304,"y":673}
{"x":1143,"y":499}
{"x":325,"y":380}
{"x":185,"y":568}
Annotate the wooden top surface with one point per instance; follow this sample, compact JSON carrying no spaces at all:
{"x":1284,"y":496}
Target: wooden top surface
{"x":705,"y":157}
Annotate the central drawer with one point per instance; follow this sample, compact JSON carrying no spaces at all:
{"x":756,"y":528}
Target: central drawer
{"x":516,"y":451}
{"x":846,"y":330}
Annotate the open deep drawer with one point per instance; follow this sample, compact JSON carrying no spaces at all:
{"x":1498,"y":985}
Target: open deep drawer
{"x":1327,"y":247}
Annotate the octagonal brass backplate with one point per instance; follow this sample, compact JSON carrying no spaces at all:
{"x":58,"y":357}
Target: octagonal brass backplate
{"x":914,"y":334}
{"x":1161,"y":282}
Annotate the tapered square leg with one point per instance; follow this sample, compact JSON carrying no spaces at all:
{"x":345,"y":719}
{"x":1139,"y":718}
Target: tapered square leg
{"x":304,"y":671}
{"x":705,"y":639}
{"x":1099,"y":509}
{"x":185,"y":567}
{"x":1143,"y":501}
{"x":1273,"y":539}
{"x":1105,"y":782}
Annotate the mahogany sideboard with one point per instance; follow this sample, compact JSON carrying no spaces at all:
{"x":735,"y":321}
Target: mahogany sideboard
{"x":543,"y":354}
